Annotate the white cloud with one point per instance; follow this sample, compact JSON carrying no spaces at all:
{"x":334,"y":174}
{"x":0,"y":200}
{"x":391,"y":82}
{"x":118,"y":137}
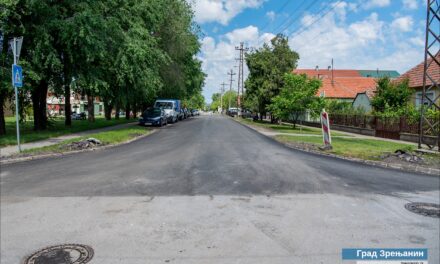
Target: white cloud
{"x":410,"y":4}
{"x":376,"y":3}
{"x":365,"y":43}
{"x":368,"y":43}
{"x":221,"y":11}
{"x":218,"y":57}
{"x":404,"y":24}
{"x":367,"y":30}
{"x":271,"y":15}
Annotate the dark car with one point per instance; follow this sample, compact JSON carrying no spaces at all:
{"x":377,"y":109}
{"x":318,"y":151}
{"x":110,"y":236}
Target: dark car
{"x":181,"y":114}
{"x":79,"y":116}
{"x":153,"y":117}
{"x":186,"y":113}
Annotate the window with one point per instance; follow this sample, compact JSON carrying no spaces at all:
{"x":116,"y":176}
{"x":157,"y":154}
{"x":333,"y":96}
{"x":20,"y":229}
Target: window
{"x":419,"y":98}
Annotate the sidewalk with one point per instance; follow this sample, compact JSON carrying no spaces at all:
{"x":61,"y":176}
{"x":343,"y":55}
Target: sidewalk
{"x":11,"y":150}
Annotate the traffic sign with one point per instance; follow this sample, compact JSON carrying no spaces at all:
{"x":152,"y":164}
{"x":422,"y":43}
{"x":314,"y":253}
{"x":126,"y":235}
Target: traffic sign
{"x":17,"y":76}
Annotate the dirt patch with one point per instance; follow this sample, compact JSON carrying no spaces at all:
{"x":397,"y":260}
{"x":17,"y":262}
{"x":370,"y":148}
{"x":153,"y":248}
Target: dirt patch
{"x":403,"y":157}
{"x":82,"y":144}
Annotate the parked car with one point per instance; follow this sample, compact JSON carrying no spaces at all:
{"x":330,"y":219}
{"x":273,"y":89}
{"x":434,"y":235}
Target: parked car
{"x":232,"y":111}
{"x":153,"y":117}
{"x":171,"y":108}
{"x":195,"y":112}
{"x":246,"y":114}
{"x":181,"y":114}
{"x":79,"y":116}
{"x":186,"y":113}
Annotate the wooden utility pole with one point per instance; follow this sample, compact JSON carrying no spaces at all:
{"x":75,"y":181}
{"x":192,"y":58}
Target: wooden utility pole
{"x":222,"y":90}
{"x":231,"y":74}
{"x":240,"y":59}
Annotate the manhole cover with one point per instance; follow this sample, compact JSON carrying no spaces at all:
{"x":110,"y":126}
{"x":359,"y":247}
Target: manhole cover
{"x":426,"y":209}
{"x":62,"y":254}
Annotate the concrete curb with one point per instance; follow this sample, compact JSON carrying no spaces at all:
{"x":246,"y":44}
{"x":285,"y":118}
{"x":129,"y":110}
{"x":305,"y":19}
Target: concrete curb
{"x":408,"y":168}
{"x":12,"y":160}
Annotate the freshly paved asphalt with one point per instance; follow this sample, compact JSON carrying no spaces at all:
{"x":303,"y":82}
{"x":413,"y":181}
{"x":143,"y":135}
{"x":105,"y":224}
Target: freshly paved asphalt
{"x":145,"y":201}
{"x":206,"y":155}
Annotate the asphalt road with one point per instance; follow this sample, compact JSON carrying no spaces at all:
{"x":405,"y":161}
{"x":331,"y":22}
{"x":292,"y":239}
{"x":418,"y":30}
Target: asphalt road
{"x":182,"y":180}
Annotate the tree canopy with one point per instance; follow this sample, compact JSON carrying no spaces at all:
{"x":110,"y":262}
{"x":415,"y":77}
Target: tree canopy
{"x":296,"y":96}
{"x":267,"y":66}
{"x":127,"y":53}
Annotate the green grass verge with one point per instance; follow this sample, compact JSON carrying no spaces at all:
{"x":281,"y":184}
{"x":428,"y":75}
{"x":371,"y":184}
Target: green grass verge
{"x":56,"y":128}
{"x":370,"y":149}
{"x":288,"y":128}
{"x":106,"y":138}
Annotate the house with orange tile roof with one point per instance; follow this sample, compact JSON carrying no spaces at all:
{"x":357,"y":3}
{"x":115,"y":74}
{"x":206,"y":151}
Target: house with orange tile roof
{"x":354,"y":86}
{"x":343,"y":85}
{"x":415,"y":78}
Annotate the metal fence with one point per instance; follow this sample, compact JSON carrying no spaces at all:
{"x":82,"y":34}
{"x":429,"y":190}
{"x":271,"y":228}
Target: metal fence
{"x":384,"y":127}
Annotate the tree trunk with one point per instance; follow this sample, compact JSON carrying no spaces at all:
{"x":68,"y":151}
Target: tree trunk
{"x":39,"y":95}
{"x":67,"y":106}
{"x":135,"y":111}
{"x":2,"y":114}
{"x":117,"y":110}
{"x":127,"y":111}
{"x":90,"y":108}
{"x":108,"y":107}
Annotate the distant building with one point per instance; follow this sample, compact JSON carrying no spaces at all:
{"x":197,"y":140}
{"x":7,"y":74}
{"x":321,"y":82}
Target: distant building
{"x":415,"y":77}
{"x":344,"y":85}
{"x":363,"y":101}
{"x":56,"y":104}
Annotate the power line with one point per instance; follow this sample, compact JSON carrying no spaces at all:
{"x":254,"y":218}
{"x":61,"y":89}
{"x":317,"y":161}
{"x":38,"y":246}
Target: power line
{"x":300,"y":31}
{"x":284,"y":26}
{"x":278,"y":11}
{"x":322,"y":32}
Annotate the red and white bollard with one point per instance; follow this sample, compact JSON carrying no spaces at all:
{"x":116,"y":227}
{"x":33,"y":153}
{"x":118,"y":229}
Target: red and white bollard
{"x":326,"y":136}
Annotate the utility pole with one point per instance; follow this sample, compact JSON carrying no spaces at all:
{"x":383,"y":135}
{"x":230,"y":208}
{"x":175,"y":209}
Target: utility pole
{"x":222,"y":90}
{"x":430,"y":127}
{"x":238,"y":80}
{"x":242,"y":50}
{"x":231,"y":74}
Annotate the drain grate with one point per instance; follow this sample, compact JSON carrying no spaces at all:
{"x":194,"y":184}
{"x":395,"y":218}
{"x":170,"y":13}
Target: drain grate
{"x":61,"y":254}
{"x":426,"y":209}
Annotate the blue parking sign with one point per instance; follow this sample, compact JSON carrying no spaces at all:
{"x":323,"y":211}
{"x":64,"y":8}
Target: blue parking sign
{"x":17,"y":76}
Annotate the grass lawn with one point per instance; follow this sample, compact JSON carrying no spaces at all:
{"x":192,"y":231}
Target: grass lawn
{"x":288,"y":128}
{"x":106,"y":138}
{"x":369,"y":149}
{"x":56,"y":128}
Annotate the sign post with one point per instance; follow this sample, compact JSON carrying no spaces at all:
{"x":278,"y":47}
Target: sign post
{"x":17,"y":81}
{"x":326,"y":136}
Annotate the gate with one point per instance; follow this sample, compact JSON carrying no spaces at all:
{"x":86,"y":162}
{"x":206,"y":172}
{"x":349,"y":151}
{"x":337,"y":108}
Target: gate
{"x":388,"y":128}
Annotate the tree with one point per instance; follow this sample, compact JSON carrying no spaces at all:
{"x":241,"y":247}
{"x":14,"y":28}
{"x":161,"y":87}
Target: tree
{"x":267,"y":67}
{"x":197,"y":101}
{"x":229,"y":96}
{"x":297,"y":95}
{"x":126,"y":52}
{"x":390,"y":95}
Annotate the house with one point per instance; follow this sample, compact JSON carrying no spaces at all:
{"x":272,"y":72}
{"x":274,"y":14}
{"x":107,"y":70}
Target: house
{"x":415,"y":77}
{"x":363,"y":101}
{"x":55,"y":104}
{"x":342,"y":85}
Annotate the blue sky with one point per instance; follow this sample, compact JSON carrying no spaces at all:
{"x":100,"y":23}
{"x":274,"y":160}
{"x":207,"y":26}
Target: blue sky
{"x":369,"y":34}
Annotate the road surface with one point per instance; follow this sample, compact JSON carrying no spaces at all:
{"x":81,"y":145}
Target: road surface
{"x":209,"y":190}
